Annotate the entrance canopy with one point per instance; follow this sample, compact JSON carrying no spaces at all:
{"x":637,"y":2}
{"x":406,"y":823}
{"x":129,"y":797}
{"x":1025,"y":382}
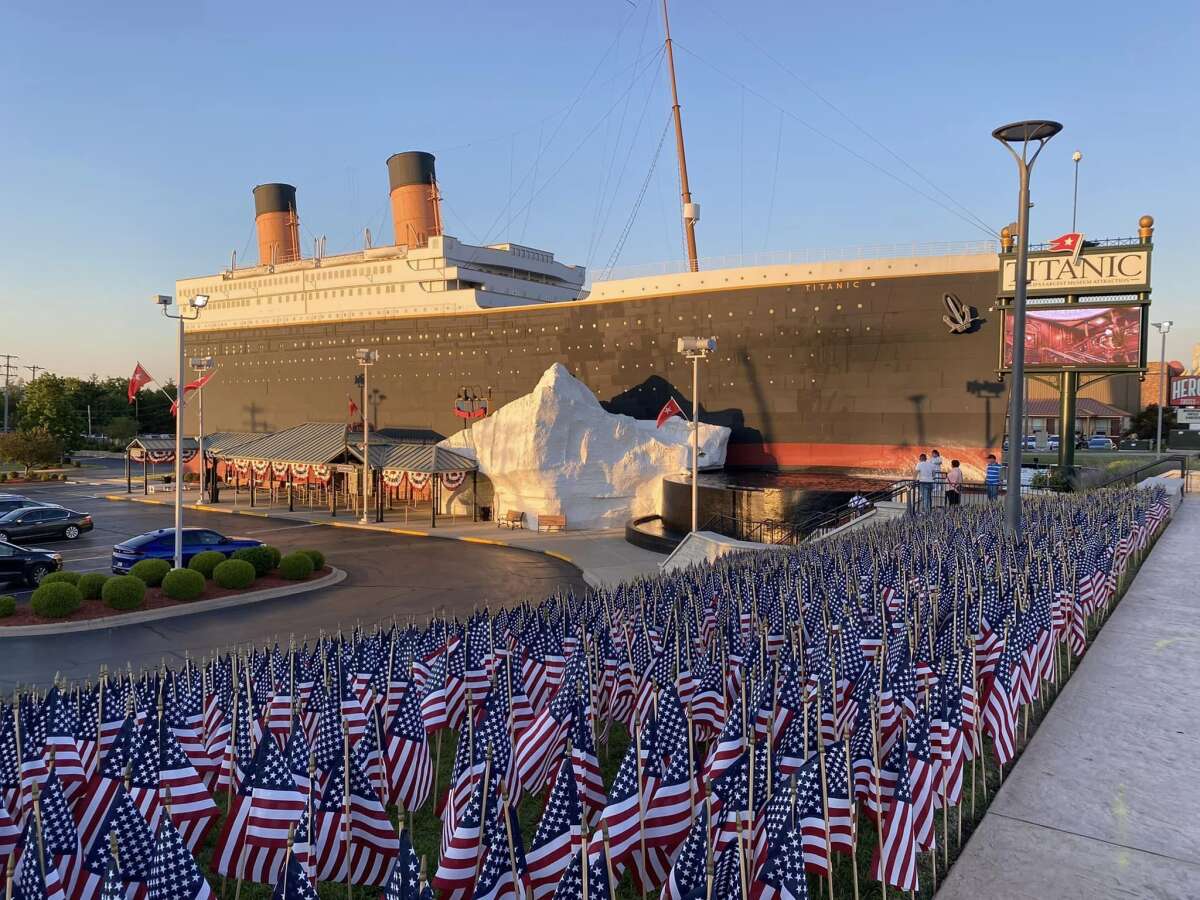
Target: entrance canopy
{"x":159,"y":450}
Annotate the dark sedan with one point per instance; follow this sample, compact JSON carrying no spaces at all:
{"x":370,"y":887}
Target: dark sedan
{"x":27,"y":564}
{"x":9,"y":502}
{"x":42,"y":522}
{"x":160,"y":544}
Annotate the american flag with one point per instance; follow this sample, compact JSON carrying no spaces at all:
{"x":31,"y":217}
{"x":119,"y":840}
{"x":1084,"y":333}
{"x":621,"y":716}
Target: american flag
{"x":558,"y":834}
{"x":294,"y":883}
{"x":135,"y":849}
{"x":174,"y":874}
{"x":410,"y":768}
{"x":404,"y":881}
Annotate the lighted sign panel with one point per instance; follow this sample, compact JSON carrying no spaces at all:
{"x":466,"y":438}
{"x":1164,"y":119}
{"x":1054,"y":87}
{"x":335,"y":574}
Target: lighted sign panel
{"x":1185,"y":390}
{"x":1096,"y":271}
{"x":1079,"y":337}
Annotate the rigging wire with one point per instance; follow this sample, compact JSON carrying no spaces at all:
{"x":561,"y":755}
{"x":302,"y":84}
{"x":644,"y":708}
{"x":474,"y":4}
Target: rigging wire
{"x":637,"y":205}
{"x":986,"y":229}
{"x":774,"y":183}
{"x":833,"y":106}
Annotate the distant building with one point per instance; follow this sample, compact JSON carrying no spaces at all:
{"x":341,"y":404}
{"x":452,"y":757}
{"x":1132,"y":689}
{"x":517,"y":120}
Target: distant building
{"x":1152,"y":387}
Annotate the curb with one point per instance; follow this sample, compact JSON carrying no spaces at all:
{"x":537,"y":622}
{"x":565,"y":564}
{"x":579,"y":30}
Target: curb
{"x":173,"y":612}
{"x":377,"y":528}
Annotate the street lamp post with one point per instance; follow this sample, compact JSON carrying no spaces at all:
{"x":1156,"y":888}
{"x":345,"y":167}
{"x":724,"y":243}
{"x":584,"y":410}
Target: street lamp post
{"x":1025,"y":134}
{"x":202,"y":365}
{"x":696,"y":349}
{"x":194,"y":304}
{"x":1163,"y":328}
{"x":366,"y":359}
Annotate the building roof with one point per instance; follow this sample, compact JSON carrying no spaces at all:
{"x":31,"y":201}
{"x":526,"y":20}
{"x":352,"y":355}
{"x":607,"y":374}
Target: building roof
{"x":420,"y":458}
{"x":1085,"y":407}
{"x":219,"y":441}
{"x":160,"y":443}
{"x":314,"y":443}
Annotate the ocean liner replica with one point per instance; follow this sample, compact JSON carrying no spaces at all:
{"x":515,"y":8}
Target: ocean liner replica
{"x":851,"y":364}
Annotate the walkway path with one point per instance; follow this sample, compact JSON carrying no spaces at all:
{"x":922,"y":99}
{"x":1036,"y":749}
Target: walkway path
{"x":1104,"y":802}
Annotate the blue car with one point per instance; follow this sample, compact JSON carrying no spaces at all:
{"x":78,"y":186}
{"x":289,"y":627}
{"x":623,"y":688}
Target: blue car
{"x":160,"y":544}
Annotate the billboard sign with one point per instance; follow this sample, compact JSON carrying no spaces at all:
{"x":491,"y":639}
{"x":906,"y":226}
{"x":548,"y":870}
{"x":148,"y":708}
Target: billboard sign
{"x":1098,"y":270}
{"x":1100,"y":338}
{"x":1185,"y":391}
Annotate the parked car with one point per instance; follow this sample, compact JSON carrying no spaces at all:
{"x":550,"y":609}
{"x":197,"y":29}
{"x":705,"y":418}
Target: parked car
{"x":1100,"y":442}
{"x":9,"y":502}
{"x":32,"y":522}
{"x":27,"y":564}
{"x":160,"y":544}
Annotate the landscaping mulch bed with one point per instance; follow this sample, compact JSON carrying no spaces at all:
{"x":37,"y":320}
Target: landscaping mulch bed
{"x":95,"y":609}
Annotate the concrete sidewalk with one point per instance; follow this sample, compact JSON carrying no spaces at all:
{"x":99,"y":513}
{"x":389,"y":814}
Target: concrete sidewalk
{"x":1105,"y":802}
{"x":602,"y":555}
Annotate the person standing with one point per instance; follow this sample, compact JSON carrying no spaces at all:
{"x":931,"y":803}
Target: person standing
{"x":939,"y":476}
{"x":954,"y":480}
{"x":925,"y":483}
{"x":992,"y":478}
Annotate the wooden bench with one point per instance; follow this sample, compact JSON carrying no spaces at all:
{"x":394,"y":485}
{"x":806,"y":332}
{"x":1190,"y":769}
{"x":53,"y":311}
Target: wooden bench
{"x":514,"y":518}
{"x":552,"y":523}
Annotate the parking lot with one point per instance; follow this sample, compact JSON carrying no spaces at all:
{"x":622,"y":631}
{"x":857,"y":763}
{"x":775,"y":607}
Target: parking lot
{"x":388,"y":575}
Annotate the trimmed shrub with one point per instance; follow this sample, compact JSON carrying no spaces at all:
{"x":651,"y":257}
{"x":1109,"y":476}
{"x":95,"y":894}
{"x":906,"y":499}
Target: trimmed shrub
{"x":62,"y":578}
{"x":183,"y":584}
{"x":8,"y":606}
{"x":234,"y":574}
{"x":205,"y":562}
{"x":317,"y":557}
{"x":124,"y":592}
{"x":91,"y":584}
{"x":276,"y":555}
{"x":150,"y":571}
{"x":56,"y":600}
{"x":260,"y":557}
{"x":296,"y":566}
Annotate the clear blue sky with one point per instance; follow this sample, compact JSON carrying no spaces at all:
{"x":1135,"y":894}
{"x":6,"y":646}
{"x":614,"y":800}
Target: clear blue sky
{"x":133,"y":133}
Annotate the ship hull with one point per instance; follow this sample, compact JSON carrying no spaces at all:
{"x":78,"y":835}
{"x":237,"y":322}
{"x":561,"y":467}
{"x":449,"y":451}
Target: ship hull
{"x":857,"y":375}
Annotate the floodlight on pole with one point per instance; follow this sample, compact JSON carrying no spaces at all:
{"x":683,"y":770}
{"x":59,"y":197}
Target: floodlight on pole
{"x":1029,"y":135}
{"x":366,"y":358}
{"x":194,"y":304}
{"x":1163,"y":377}
{"x":696,"y":349}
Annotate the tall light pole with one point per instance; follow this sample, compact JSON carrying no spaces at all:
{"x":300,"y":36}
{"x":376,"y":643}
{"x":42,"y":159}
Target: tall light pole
{"x":696,"y":349}
{"x":202,"y":365}
{"x":1026,"y":134}
{"x":186,"y":312}
{"x":366,"y":359}
{"x":1163,"y":328}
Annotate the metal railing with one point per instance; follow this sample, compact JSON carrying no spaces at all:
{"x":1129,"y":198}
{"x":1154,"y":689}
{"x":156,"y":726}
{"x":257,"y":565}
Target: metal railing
{"x":803,"y":257}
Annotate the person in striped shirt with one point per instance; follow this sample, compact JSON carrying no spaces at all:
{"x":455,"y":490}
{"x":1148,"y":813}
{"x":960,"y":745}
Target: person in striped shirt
{"x":992,"y":479}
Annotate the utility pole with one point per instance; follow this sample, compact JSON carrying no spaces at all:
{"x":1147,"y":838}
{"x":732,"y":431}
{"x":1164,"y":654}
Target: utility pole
{"x":35,"y":370}
{"x":8,"y":371}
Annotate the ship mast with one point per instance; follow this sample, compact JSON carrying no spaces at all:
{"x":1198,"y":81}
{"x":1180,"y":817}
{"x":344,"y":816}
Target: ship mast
{"x":691,"y":211}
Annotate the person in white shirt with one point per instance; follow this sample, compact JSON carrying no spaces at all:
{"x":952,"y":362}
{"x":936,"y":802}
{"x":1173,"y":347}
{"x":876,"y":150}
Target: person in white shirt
{"x":925,"y":470}
{"x":939,"y":477}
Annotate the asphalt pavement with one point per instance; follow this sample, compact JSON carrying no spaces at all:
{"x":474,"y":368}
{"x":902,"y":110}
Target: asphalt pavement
{"x":388,"y":576}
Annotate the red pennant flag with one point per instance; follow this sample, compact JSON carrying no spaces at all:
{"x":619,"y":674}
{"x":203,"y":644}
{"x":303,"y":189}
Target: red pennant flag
{"x":190,"y":387}
{"x":138,"y":380}
{"x":353,"y":407}
{"x":670,"y":408}
{"x":1071,"y":242}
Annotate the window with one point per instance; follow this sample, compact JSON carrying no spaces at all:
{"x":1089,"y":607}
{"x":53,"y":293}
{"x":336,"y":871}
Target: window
{"x":7,"y":550}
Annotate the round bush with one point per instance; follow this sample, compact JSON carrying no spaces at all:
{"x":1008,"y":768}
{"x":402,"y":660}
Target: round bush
{"x":91,"y":584}
{"x":317,"y":557}
{"x":234,"y":574}
{"x":260,"y":557}
{"x":62,"y":578}
{"x":276,"y":555}
{"x":56,"y":600}
{"x":124,"y":592}
{"x":8,"y":606}
{"x":183,"y":584}
{"x":205,"y":562}
{"x":150,"y":571}
{"x":296,"y":566}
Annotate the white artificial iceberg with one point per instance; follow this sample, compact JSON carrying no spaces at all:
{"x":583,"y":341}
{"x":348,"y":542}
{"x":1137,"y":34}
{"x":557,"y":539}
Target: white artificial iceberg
{"x":556,"y":451}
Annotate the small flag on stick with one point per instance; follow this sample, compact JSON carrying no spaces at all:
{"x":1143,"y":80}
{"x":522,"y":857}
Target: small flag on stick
{"x":670,"y":409}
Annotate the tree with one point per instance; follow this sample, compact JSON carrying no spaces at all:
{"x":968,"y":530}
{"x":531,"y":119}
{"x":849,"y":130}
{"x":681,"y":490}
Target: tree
{"x":1145,"y":423}
{"x":30,"y":448}
{"x":48,"y":404}
{"x":122,"y":429}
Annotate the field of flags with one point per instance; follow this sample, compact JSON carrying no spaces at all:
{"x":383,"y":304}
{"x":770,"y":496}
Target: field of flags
{"x":811,"y":722}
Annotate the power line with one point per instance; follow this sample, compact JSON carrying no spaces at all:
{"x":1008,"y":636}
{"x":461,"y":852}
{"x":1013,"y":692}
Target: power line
{"x":8,"y":371}
{"x":35,"y":370}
